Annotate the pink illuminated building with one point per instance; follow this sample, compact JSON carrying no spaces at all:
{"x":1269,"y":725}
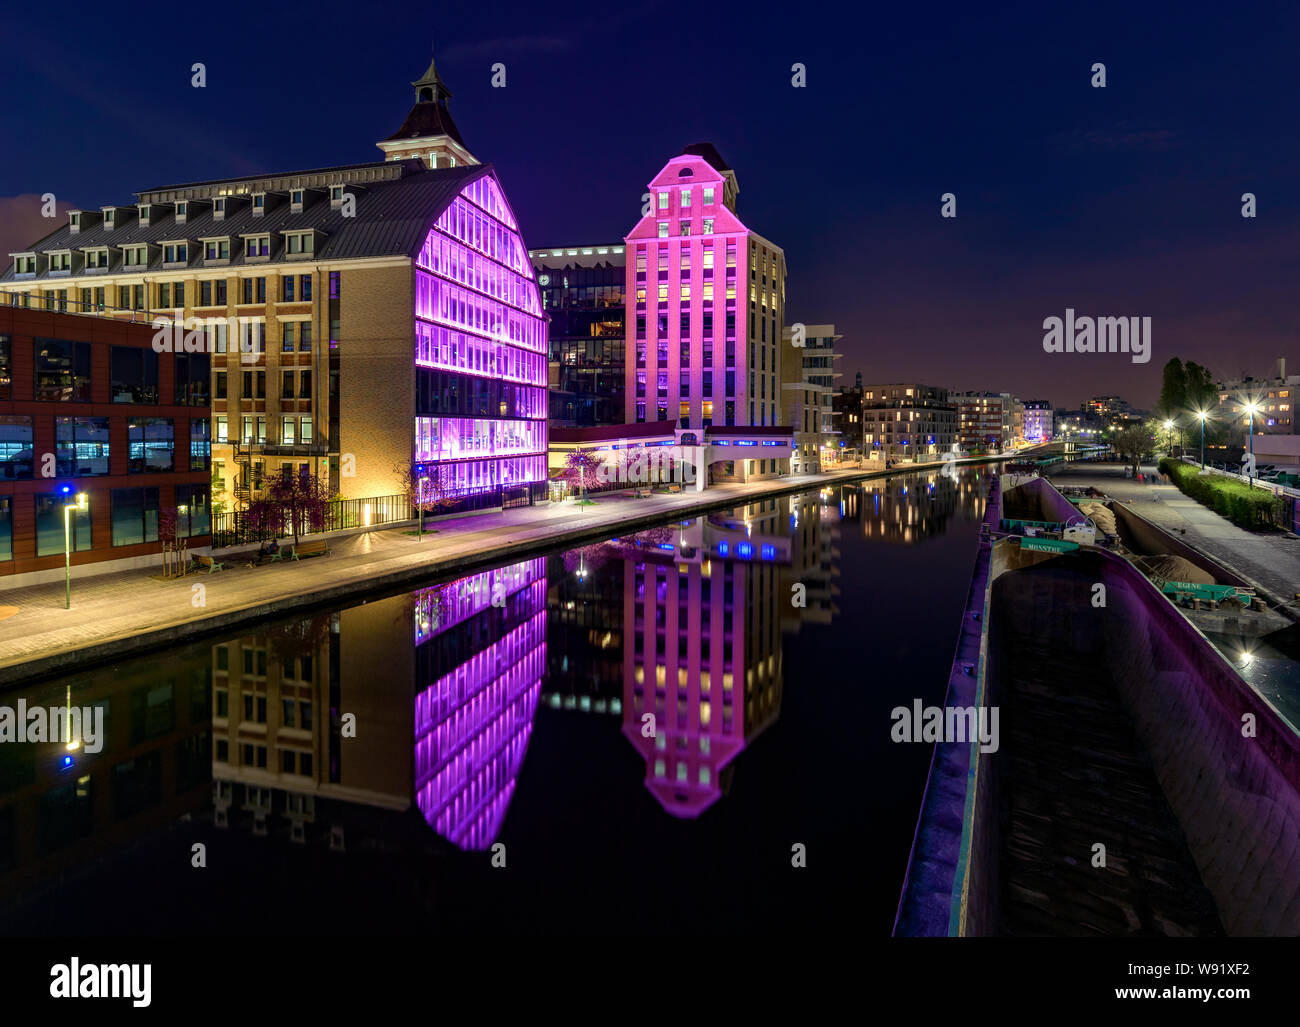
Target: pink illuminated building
{"x":705,"y":311}
{"x":480,"y":348}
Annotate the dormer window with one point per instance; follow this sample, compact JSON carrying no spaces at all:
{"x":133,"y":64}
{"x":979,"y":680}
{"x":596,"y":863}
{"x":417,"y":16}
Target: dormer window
{"x":97,"y":258}
{"x":135,"y":256}
{"x":144,"y":214}
{"x":259,"y":204}
{"x":300,"y":242}
{"x":60,"y":261}
{"x":258,"y":246}
{"x":217,"y":249}
{"x":336,"y":195}
{"x":219,"y":208}
{"x":108,"y":217}
{"x":74,"y":221}
{"x":182,"y":209}
{"x":176,"y":253}
{"x":25,"y":265}
{"x":295,"y":201}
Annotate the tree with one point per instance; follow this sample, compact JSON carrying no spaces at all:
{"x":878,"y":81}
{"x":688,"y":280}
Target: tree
{"x":297,"y":500}
{"x":1173,"y":389}
{"x":1133,"y":443}
{"x":426,"y":487}
{"x":582,"y":468}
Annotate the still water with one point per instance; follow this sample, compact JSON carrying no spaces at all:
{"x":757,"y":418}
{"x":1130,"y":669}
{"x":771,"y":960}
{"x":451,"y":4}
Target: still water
{"x":369,"y":768}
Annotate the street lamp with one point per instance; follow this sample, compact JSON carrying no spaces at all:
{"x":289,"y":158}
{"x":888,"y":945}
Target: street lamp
{"x":1201,"y":415}
{"x":81,"y":503}
{"x":1169,"y":427}
{"x":1250,"y":438}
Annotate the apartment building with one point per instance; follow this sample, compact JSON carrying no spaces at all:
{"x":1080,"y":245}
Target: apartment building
{"x":986,"y":420}
{"x":358,"y":318}
{"x":807,"y":386}
{"x":907,"y":421}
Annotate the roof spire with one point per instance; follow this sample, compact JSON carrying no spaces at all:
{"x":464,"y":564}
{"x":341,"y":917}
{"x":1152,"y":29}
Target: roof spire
{"x":430,"y":88}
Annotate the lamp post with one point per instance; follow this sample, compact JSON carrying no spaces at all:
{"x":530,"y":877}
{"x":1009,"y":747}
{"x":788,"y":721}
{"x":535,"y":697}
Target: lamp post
{"x":1201,"y":415}
{"x":1250,"y":440}
{"x":81,"y":503}
{"x":1169,"y":427}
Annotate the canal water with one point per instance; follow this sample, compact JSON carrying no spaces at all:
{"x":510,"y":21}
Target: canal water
{"x":643,"y":735}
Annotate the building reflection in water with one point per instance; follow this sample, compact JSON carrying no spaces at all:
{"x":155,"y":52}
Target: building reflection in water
{"x":481,"y":657}
{"x":683,"y":622}
{"x":914,"y":507}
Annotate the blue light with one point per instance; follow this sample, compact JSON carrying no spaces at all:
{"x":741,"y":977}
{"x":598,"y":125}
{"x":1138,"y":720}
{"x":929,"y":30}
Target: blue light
{"x":769,"y":552}
{"x":744,"y":550}
{"x":668,"y":546}
{"x":67,"y":489}
{"x":723,"y":548}
{"x":67,"y":761}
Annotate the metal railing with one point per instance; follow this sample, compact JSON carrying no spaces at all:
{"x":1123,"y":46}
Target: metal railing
{"x":50,"y":304}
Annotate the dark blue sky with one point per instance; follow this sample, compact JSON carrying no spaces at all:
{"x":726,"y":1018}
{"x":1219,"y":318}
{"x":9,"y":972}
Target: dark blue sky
{"x":1115,"y":201}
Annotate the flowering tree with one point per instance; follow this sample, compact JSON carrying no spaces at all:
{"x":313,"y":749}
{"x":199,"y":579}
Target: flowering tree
{"x":582,"y":468}
{"x":296,"y":501}
{"x":425,"y":487}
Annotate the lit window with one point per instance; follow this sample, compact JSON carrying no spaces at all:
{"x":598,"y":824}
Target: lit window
{"x":708,"y":195}
{"x":708,"y":226}
{"x":663,"y":201}
{"x":686,"y":197}
{"x":686,"y":293}
{"x":663,"y":229}
{"x":663,"y":292}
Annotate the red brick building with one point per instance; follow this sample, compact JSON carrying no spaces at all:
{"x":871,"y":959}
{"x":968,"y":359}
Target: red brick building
{"x":87,"y":405}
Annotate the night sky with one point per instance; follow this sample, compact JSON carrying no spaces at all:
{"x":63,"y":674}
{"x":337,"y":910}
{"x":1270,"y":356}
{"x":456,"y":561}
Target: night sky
{"x":1120,"y":201}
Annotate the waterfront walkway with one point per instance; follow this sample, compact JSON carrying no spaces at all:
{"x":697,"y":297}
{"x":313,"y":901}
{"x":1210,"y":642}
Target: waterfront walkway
{"x":1271,"y":560}
{"x":113,"y":614}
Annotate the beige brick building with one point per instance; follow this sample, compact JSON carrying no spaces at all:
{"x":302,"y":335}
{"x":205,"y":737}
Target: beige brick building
{"x":327,"y":301}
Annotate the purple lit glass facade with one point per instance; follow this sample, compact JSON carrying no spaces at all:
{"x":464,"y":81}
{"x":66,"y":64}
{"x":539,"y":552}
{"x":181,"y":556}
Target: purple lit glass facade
{"x":474,"y":718}
{"x":480,"y":348}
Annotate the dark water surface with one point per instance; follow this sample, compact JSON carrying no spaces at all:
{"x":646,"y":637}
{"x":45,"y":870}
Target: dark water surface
{"x":353,"y":771}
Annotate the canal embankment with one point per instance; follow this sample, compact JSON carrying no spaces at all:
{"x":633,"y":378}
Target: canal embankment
{"x":114,"y":615}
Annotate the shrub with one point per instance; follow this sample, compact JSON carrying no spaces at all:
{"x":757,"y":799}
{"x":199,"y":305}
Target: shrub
{"x":1245,"y":506}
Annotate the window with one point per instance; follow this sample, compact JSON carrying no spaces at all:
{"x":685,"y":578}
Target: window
{"x":686,"y":198}
{"x":193,"y":377}
{"x":181,"y":209}
{"x":286,"y":345}
{"x":305,"y":337}
{"x":685,"y":227}
{"x":663,"y":201}
{"x":220,"y":385}
{"x":134,"y":516}
{"x":62,"y":370}
{"x":286,"y":285}
{"x":304,"y":385}
{"x":259,"y":246}
{"x":96,"y":258}
{"x":259,"y":204}
{"x":663,"y":229}
{"x":109,"y":215}
{"x":286,"y":385}
{"x":304,"y":291}
{"x":708,"y":226}
{"x":218,"y":249}
{"x":150,"y":444}
{"x":300,"y":243}
{"x":50,"y":539}
{"x":219,"y":207}
{"x":81,"y":445}
{"x":16,"y":453}
{"x":135,"y":256}
{"x":295,"y":200}
{"x":708,"y":195}
{"x":192,"y":513}
{"x":223,"y":428}
{"x":134,"y":375}
{"x":175,"y":253}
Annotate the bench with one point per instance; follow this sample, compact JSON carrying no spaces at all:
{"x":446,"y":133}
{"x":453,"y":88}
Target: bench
{"x":321,"y":548}
{"x":209,"y":563}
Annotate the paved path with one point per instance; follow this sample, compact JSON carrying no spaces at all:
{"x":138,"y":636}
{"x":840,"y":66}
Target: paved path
{"x":1271,"y":560}
{"x":113,"y":614}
